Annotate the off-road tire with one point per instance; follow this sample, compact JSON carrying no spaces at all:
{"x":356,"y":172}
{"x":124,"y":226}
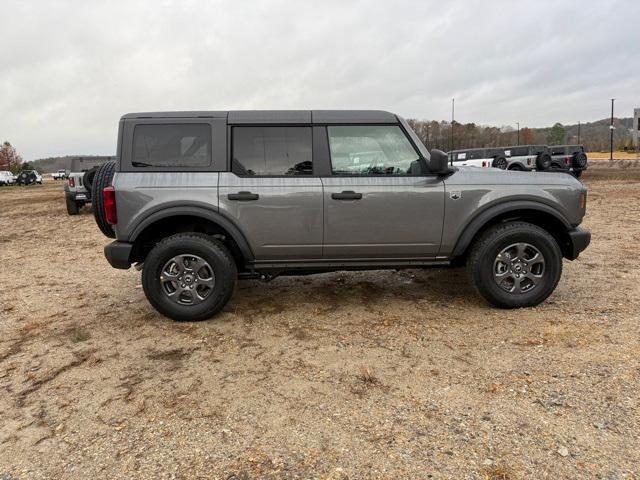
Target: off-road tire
{"x":543,"y":161}
{"x":72,"y":206}
{"x":580,"y":160}
{"x":500,"y":162}
{"x":103,"y":178}
{"x":480,"y":263}
{"x":88,"y":178}
{"x":204,"y":246}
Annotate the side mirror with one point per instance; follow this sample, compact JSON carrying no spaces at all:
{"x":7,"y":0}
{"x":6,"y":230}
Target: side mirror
{"x":439,"y":162}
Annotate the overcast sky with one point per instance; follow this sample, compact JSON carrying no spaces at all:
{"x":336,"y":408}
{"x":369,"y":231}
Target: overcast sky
{"x":71,"y":69}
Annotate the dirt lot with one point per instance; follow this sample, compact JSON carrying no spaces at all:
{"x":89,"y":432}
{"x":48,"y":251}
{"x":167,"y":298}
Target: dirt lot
{"x":345,"y":375}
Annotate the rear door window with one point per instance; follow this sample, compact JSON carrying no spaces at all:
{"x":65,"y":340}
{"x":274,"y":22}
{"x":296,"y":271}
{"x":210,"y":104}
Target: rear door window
{"x":271,"y":151}
{"x":172,"y":145}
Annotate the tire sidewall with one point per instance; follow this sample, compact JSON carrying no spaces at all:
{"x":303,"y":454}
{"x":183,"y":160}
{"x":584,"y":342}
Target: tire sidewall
{"x":72,"y":205}
{"x":500,"y":163}
{"x":483,"y":274}
{"x":213,"y":253}
{"x":544,"y":161}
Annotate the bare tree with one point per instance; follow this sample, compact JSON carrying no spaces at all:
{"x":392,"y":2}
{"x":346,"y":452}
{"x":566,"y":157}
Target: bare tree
{"x":9,"y":158}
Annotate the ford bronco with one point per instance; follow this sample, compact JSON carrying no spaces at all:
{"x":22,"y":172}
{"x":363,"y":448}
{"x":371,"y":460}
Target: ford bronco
{"x":200,"y":199}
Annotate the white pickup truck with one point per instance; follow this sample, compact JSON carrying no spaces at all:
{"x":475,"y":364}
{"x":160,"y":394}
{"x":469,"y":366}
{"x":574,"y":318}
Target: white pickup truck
{"x":59,"y":175}
{"x":7,"y":178}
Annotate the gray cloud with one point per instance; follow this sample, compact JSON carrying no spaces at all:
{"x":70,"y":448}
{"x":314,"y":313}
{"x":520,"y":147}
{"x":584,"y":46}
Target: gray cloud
{"x":71,"y":69}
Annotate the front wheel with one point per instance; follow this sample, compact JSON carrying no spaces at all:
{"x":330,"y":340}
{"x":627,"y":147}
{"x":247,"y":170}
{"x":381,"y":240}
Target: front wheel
{"x":189,"y":276}
{"x":515,"y":265}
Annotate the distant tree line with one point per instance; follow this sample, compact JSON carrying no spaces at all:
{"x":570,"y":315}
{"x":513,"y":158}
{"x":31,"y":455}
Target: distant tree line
{"x":594,"y":135}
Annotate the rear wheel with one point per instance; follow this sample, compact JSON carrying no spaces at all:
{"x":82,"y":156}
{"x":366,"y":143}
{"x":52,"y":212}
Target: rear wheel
{"x":501,"y":163}
{"x":72,"y":205}
{"x":189,"y":276}
{"x":515,"y":265}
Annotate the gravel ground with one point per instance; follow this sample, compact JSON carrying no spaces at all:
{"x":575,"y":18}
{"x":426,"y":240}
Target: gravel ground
{"x":346,"y":375}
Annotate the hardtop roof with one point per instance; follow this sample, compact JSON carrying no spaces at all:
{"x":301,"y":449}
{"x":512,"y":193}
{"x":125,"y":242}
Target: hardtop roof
{"x":279,"y":116}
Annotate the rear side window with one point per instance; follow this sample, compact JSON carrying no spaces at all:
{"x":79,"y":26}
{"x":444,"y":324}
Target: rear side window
{"x":272,"y":151}
{"x":172,"y":145}
{"x":476,"y":154}
{"x":518,"y":151}
{"x":371,"y":150}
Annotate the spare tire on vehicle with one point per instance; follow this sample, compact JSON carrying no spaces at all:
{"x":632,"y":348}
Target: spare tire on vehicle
{"x":103,"y":178}
{"x":580,"y":160}
{"x":87,"y":178}
{"x":26,"y":178}
{"x":543,"y":161}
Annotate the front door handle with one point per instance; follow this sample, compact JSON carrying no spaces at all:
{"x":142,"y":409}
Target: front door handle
{"x":347,"y":195}
{"x":243,"y":196}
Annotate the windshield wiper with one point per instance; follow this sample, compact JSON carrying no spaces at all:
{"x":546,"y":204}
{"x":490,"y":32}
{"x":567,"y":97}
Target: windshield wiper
{"x":141,"y":164}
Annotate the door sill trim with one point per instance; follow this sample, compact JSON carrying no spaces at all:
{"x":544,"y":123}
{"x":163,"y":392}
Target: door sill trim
{"x":347,"y":264}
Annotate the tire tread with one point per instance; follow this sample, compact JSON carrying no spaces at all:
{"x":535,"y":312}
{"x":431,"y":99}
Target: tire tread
{"x":479,"y":247}
{"x":227,"y":288}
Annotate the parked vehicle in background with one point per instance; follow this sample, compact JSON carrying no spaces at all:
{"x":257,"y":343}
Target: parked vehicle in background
{"x":29,"y":177}
{"x":59,"y":175}
{"x":200,"y":199}
{"x":479,"y":157}
{"x":528,"y":157}
{"x":77,"y":189}
{"x":7,"y":178}
{"x":570,"y":158}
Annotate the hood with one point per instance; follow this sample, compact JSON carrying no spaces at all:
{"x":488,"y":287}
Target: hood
{"x":494,"y":176}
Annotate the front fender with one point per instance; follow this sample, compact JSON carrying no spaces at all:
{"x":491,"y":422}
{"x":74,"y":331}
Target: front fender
{"x":484,"y":216}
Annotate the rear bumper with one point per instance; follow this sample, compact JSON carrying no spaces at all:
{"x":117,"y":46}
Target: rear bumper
{"x":579,"y":239}
{"x":118,"y":254}
{"x":80,"y":196}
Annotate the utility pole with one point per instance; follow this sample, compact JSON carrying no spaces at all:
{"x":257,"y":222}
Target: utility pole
{"x":518,"y":123}
{"x":611,"y":128}
{"x":453,"y":111}
{"x":578,"y":132}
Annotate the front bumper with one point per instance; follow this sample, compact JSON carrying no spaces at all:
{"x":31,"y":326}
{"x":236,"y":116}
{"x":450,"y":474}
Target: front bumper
{"x":579,"y":239}
{"x":118,"y":254}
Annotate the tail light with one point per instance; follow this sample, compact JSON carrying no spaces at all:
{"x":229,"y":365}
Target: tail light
{"x":528,"y":161}
{"x":72,"y":182}
{"x":484,"y":164}
{"x":109,"y":205}
{"x":567,"y":160}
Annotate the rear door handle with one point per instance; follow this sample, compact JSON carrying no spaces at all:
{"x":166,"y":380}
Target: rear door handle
{"x":243,"y":196}
{"x":347,"y":195}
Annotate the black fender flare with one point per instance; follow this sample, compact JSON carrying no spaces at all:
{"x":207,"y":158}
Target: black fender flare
{"x":195,"y":210}
{"x":491,"y":212}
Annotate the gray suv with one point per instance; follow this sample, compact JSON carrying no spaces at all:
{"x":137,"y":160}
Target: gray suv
{"x":201,"y":199}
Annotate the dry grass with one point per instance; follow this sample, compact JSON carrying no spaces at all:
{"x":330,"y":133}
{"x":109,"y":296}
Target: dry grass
{"x":344,"y":375}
